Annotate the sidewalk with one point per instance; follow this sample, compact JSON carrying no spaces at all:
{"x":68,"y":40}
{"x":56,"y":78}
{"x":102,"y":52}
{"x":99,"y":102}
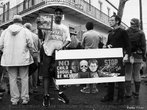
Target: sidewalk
{"x":79,"y":101}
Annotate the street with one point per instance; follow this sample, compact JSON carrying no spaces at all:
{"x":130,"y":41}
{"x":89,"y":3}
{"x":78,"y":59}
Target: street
{"x":80,"y":101}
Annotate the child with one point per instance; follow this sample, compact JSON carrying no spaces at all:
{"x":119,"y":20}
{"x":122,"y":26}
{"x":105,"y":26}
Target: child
{"x":84,"y":74}
{"x":93,"y":65}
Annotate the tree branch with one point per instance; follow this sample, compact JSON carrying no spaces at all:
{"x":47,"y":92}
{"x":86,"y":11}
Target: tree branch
{"x":121,"y":7}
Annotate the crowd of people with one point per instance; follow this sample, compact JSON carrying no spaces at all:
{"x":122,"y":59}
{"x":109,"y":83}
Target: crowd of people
{"x":24,"y":52}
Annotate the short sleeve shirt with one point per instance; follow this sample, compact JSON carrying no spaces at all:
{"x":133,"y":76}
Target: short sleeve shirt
{"x":56,"y":38}
{"x":90,"y":39}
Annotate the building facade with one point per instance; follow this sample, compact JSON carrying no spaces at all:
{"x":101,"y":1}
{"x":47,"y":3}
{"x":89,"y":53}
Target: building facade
{"x":76,"y":13}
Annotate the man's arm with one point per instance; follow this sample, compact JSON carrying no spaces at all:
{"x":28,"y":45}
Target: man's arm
{"x":108,"y":44}
{"x":2,"y":40}
{"x":127,"y":47}
{"x":68,"y":39}
{"x":127,"y":43}
{"x":83,"y":41}
{"x":65,"y":44}
{"x":143,"y":46}
{"x":30,"y":42}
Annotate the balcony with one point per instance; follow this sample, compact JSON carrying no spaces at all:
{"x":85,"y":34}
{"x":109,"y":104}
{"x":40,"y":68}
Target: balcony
{"x":78,"y":8}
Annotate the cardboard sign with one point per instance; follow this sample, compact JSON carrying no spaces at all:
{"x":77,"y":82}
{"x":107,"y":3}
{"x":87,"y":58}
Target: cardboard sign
{"x":45,"y":21}
{"x":89,"y":66}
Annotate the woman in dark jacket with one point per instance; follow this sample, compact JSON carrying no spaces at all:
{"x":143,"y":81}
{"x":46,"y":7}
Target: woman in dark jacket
{"x":138,"y":53}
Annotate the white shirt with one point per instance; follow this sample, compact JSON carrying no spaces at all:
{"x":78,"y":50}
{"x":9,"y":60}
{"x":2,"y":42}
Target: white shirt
{"x":55,"y":39}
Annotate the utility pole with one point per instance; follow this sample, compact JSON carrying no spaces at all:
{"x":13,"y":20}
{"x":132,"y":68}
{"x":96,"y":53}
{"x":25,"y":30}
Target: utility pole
{"x":141,"y":22}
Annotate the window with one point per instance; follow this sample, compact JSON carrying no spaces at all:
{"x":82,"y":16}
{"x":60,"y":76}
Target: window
{"x":89,"y":5}
{"x":100,"y":5}
{"x":4,"y":9}
{"x":108,"y":11}
{"x":7,"y":9}
{"x":28,"y":3}
{"x":24,"y":4}
{"x":33,"y":2}
{"x":90,"y":2}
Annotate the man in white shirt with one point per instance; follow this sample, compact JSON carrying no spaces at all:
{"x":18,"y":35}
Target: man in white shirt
{"x":58,"y":39}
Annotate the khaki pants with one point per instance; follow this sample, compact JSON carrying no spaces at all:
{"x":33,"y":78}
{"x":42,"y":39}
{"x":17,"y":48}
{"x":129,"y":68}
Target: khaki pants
{"x":22,"y":72}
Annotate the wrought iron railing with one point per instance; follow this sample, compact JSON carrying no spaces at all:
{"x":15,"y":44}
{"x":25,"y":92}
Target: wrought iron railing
{"x":80,"y":5}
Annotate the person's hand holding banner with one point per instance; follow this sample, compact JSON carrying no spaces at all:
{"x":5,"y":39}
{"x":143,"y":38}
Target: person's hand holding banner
{"x":131,"y":59}
{"x":109,"y":46}
{"x":125,"y":59}
{"x":59,"y":48}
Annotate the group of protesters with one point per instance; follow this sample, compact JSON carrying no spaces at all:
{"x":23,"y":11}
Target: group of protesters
{"x":23,"y":52}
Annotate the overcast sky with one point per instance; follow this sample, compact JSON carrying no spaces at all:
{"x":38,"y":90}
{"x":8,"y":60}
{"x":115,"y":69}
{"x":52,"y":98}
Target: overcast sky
{"x":131,"y":10}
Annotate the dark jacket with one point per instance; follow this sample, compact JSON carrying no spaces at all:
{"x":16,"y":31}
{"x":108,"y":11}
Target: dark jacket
{"x":119,"y":38}
{"x":138,"y":42}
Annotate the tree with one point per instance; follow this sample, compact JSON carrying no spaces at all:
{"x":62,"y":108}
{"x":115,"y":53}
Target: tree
{"x":121,"y":7}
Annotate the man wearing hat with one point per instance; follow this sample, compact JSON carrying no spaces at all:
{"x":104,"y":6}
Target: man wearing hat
{"x":58,"y":39}
{"x":138,"y":55}
{"x":17,"y":45}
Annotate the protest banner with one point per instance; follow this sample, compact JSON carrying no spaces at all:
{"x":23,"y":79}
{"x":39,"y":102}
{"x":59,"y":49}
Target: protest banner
{"x":85,"y":66}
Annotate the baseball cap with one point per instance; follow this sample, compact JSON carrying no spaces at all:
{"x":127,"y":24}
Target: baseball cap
{"x":58,"y":10}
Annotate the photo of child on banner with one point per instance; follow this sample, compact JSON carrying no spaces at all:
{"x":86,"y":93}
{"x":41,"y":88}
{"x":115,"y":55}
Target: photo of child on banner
{"x":83,"y":73}
{"x":88,"y":68}
{"x":74,"y":69}
{"x":93,"y":66}
{"x":82,"y":67}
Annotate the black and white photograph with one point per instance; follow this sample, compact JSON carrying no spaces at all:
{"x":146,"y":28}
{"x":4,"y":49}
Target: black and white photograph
{"x":73,"y":54}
